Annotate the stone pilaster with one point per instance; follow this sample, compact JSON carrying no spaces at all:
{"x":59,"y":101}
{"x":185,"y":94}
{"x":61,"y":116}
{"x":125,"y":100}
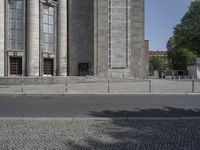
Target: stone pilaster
{"x":33,"y":43}
{"x":81,"y":35}
{"x":2,"y":47}
{"x":101,"y":35}
{"x":146,"y":58}
{"x":62,"y":37}
{"x":136,"y":37}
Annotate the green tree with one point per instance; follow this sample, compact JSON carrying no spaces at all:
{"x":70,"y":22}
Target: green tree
{"x":185,"y":42}
{"x":156,"y":63}
{"x":179,"y":58}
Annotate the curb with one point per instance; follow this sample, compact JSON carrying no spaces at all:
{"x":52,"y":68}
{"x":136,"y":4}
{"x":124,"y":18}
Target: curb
{"x":98,"y":118}
{"x":68,"y":94}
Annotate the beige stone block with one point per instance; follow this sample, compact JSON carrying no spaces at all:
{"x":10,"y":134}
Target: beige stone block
{"x":33,"y":32}
{"x":2,"y":48}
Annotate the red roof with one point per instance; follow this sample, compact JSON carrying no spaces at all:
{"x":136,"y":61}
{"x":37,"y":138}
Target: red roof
{"x":157,"y":53}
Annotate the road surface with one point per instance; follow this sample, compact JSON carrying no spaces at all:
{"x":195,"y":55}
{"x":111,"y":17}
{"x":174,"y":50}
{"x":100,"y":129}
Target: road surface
{"x":106,"y":106}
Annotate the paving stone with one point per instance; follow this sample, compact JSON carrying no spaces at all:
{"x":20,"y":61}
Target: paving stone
{"x":108,"y":134}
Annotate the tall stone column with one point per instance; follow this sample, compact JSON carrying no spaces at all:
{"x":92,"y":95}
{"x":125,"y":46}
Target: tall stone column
{"x":2,"y":38}
{"x":62,"y":37}
{"x":33,"y":32}
{"x":136,"y":29}
{"x":101,"y":36}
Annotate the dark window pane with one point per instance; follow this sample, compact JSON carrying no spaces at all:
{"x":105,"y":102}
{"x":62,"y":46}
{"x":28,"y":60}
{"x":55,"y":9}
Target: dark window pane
{"x":45,"y":38}
{"x":12,"y":3}
{"x":45,"y":9}
{"x":19,"y":45}
{"x":45,"y":47}
{"x":51,"y":11}
{"x":19,"y":35}
{"x":19,"y":14}
{"x":51,"y":39}
{"x":12,"y":44}
{"x":12,"y":24}
{"x":19,"y":25}
{"x":12,"y":13}
{"x":45,"y":19}
{"x":19,"y":4}
{"x":45,"y":28}
{"x":51,"y":29}
{"x":50,"y":48}
{"x":12,"y":34}
{"x":51,"y":20}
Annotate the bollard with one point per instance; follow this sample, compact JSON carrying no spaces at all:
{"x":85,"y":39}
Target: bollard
{"x":149,"y":86}
{"x":192,"y":77}
{"x":22,"y":86}
{"x":108,"y":86}
{"x":192,"y":86}
{"x":66,"y":86}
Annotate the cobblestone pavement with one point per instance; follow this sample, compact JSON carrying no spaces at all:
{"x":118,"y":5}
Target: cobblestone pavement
{"x":100,"y":134}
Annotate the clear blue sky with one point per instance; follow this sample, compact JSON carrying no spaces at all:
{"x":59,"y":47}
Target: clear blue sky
{"x":161,"y":16}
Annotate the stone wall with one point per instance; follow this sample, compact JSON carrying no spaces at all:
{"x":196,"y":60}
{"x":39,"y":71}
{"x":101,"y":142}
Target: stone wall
{"x":101,"y":37}
{"x":107,"y":34}
{"x":118,"y":21}
{"x":146,"y":58}
{"x":2,"y":38}
{"x":62,"y":38}
{"x":136,"y":38}
{"x":119,"y":38}
{"x":81,"y":35}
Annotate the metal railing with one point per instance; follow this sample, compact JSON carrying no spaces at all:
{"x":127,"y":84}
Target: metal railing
{"x":107,"y":85}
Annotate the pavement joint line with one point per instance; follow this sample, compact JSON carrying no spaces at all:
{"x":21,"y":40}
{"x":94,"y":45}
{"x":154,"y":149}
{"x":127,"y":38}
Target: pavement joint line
{"x":97,"y":118}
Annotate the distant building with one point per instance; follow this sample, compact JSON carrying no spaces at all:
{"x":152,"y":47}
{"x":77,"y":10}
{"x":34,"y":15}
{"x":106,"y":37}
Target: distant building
{"x":193,"y":67}
{"x":161,"y":54}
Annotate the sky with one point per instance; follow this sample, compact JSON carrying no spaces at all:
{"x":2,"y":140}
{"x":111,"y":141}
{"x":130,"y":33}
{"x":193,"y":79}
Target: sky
{"x":161,"y":16}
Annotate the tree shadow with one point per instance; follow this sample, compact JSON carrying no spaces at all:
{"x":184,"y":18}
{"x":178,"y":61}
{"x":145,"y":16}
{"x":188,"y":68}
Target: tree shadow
{"x":152,"y":112}
{"x":121,"y":132}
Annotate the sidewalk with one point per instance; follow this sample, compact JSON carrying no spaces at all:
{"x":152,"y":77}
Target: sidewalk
{"x":105,"y":87}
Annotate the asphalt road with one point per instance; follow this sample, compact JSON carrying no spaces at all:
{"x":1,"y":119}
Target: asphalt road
{"x":92,"y":106}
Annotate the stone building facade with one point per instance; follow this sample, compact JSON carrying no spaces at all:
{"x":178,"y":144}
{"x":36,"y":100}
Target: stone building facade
{"x":72,"y":37}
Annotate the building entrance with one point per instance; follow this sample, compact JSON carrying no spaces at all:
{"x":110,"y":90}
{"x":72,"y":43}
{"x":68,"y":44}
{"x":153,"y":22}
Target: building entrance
{"x":16,"y":66}
{"x":83,"y":69}
{"x":48,"y":67}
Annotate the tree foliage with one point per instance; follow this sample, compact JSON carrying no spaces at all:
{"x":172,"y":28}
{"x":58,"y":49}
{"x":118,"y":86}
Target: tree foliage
{"x":179,"y":58}
{"x":185,"y":42}
{"x":156,"y":63}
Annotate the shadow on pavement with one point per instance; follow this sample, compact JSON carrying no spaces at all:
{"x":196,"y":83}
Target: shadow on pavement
{"x":137,"y":112}
{"x":144,"y":134}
